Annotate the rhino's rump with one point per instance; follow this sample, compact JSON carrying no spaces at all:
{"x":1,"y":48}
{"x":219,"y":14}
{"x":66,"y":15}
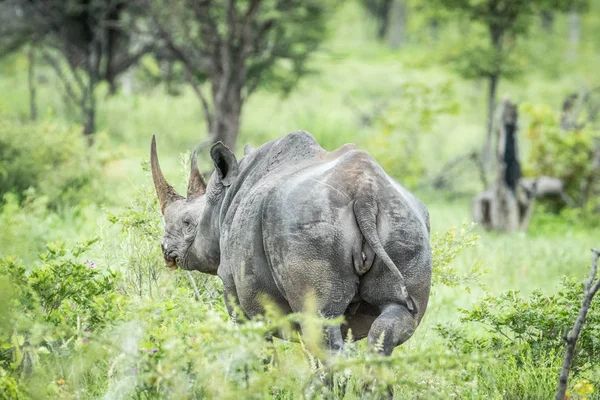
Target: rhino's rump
{"x":289,"y":229}
{"x":309,"y":215}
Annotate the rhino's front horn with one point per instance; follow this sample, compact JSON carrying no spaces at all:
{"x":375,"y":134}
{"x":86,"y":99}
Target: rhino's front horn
{"x":196,"y":184}
{"x":165,"y":192}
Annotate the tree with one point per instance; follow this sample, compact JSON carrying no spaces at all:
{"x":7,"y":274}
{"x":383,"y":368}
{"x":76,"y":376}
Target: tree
{"x":237,"y":46}
{"x":83,"y":41}
{"x":508,"y":204}
{"x":380,"y":10}
{"x":391,"y":16}
{"x":493,"y":58}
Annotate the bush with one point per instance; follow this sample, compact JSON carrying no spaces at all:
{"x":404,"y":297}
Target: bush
{"x":562,"y":154}
{"x":528,"y":334}
{"x":54,"y":161}
{"x":412,"y":113}
{"x":48,"y":314}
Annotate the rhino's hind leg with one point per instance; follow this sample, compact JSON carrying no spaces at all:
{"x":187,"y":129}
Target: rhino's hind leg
{"x":333,"y":338}
{"x":395,"y":324}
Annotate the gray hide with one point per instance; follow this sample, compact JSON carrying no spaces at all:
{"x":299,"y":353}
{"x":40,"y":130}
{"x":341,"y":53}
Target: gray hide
{"x":291,"y":220}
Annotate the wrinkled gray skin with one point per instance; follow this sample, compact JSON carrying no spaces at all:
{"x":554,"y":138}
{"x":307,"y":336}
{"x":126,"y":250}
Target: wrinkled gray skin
{"x":291,"y":220}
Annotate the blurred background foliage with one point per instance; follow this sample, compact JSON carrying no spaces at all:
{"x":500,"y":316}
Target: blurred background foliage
{"x":87,"y":308}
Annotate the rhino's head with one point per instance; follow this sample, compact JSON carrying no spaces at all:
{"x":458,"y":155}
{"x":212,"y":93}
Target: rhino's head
{"x":191,"y":239}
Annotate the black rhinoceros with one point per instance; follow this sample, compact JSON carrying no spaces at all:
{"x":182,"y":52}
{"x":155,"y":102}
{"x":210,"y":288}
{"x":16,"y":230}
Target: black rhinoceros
{"x":291,"y":220}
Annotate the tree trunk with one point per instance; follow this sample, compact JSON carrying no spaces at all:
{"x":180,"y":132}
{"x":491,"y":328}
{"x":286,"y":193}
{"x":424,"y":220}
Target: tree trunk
{"x":487,"y":147}
{"x":88,"y":101}
{"x":434,"y":28}
{"x":227,"y":106}
{"x":113,"y":87}
{"x":383,"y":18}
{"x":128,"y":78}
{"x":169,"y":79}
{"x":505,"y":210}
{"x":506,"y":206}
{"x":574,"y":34}
{"x":89,"y":125}
{"x":31,"y":83}
{"x":111,"y":34}
{"x":547,"y":18}
{"x":397,"y":24}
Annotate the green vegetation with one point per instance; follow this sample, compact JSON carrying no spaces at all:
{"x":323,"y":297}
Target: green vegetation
{"x":88,"y":310}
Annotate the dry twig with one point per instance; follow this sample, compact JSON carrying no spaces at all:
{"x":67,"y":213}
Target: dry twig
{"x":591,"y":288}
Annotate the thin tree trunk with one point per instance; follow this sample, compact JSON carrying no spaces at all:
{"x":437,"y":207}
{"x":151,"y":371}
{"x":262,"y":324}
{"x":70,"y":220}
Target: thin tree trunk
{"x":434,"y":28}
{"x":397,"y":24}
{"x":89,"y":125}
{"x":32,"y":84}
{"x":384,"y":18}
{"x":128,"y":82}
{"x":88,"y":105}
{"x":168,"y":66}
{"x":547,"y":18}
{"x":111,"y":35}
{"x":113,"y":87}
{"x":574,"y":34}
{"x":487,"y":147}
{"x":226,"y":118}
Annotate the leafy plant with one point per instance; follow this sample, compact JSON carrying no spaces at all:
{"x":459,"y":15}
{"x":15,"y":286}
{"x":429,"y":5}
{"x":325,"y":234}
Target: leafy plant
{"x":52,"y":310}
{"x":445,"y":248}
{"x":527,"y":331}
{"x":562,"y":154}
{"x":410,"y":116}
{"x":53,"y":160}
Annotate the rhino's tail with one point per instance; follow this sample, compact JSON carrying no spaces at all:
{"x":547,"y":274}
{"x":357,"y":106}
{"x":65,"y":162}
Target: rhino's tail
{"x":365,"y":211}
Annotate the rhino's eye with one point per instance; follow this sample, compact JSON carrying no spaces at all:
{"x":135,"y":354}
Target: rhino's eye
{"x":187,"y":225}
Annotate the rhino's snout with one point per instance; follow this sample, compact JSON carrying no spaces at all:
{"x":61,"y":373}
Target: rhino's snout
{"x":170,"y":256}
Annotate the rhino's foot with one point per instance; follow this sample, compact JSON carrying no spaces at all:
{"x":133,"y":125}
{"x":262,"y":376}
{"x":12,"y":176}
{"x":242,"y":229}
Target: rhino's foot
{"x":333,"y":338}
{"x":271,"y":358}
{"x":394,"y":326}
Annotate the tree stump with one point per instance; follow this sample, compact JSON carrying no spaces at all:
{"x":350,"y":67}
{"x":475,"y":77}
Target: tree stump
{"x":508,"y":204}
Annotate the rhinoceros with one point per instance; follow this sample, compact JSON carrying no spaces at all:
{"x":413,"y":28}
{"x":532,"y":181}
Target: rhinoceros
{"x":289,"y":220}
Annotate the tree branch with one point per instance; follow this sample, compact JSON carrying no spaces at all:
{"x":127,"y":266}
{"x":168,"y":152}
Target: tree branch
{"x":226,"y":67}
{"x":207,"y":112}
{"x":71,"y":95}
{"x":196,"y":293}
{"x":187,"y":64}
{"x":590,"y":290}
{"x":129,"y":60}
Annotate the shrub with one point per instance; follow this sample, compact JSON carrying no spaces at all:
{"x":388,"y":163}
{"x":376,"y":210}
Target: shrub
{"x":562,"y":154}
{"x":50,"y":311}
{"x":445,"y":247}
{"x":527,"y":333}
{"x":54,"y":161}
{"x":413,"y":112}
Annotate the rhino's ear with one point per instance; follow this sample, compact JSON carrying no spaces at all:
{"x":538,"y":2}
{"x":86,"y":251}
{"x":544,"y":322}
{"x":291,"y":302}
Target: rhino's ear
{"x":196,"y":183}
{"x":226,"y":164}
